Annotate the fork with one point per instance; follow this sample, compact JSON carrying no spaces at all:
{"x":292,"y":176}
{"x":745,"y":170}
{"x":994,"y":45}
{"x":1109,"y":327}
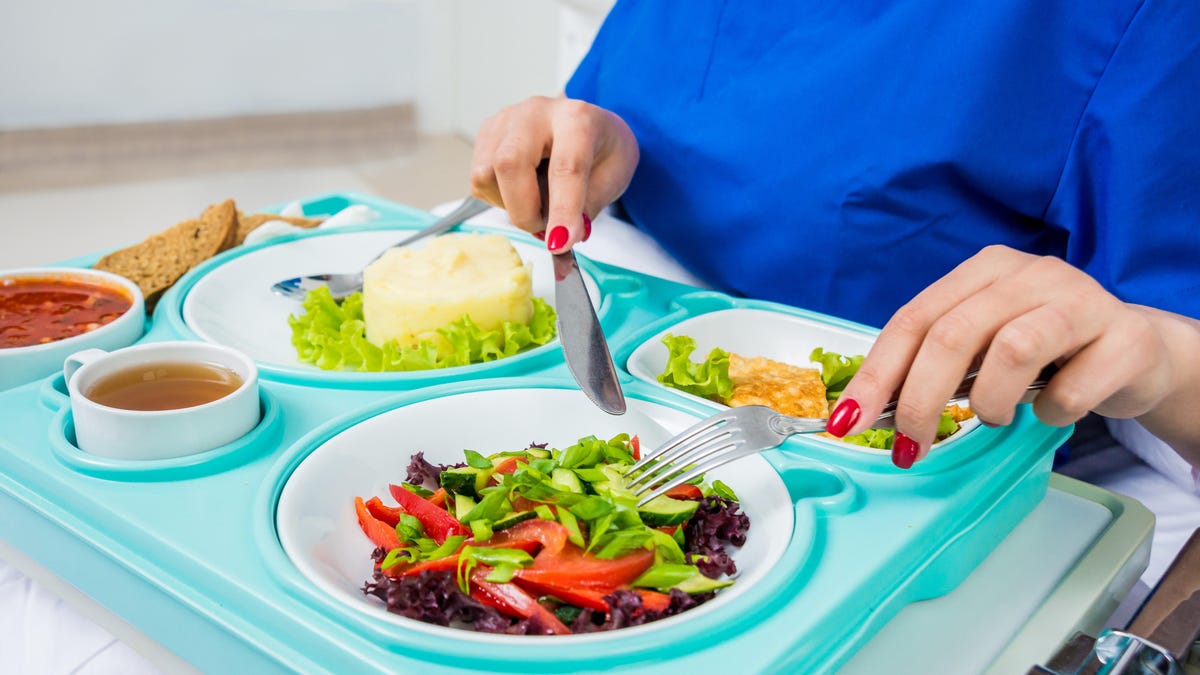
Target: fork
{"x":343,"y":284}
{"x":746,"y":430}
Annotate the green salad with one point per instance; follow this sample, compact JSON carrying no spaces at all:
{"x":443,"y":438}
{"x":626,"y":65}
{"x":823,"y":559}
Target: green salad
{"x":333,"y":336}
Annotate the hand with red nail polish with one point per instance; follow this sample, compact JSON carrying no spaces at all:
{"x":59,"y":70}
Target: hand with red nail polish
{"x":551,"y":161}
{"x":1009,"y":314}
{"x":904,"y":451}
{"x":557,"y":238}
{"x":843,"y":417}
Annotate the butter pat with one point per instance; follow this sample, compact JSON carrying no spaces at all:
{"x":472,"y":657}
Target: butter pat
{"x":408,"y":294}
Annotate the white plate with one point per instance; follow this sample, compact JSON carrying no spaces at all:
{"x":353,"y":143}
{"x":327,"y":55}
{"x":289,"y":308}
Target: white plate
{"x":233,"y":304}
{"x":758,"y":332}
{"x":319,"y":530}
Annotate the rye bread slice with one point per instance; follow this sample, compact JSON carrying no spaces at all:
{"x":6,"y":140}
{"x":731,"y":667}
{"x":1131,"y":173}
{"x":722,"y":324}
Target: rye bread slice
{"x":157,"y":263}
{"x":248,"y":222}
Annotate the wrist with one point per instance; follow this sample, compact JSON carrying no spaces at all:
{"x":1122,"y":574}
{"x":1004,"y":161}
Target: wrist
{"x":1171,"y":419}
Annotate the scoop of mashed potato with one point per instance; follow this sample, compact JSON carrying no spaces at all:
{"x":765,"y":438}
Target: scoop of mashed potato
{"x":409,"y":293}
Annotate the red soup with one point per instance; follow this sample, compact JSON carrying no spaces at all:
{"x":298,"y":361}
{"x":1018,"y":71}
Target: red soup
{"x":35,"y":310}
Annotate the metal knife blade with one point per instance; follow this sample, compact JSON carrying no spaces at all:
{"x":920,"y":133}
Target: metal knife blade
{"x":582,"y":340}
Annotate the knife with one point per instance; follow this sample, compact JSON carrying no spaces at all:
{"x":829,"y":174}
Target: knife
{"x":582,"y":339}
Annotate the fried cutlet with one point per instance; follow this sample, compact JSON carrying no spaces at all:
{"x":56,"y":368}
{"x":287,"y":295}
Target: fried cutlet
{"x":788,"y":389}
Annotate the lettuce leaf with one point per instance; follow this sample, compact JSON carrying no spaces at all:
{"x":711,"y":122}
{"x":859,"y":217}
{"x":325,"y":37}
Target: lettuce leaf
{"x":836,"y":370}
{"x":709,"y":378}
{"x":881,"y":439}
{"x":333,"y":336}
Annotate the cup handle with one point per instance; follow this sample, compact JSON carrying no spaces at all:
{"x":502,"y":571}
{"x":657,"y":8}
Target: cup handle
{"x":78,"y":360}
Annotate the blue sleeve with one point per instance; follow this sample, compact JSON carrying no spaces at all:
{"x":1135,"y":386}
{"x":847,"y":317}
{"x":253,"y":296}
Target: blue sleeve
{"x":1129,"y":193}
{"x":585,"y":79}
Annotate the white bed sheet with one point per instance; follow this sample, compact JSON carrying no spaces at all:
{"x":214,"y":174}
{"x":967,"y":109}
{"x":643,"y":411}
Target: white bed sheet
{"x":45,"y":635}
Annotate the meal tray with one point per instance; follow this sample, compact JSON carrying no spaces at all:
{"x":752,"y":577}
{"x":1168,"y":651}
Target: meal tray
{"x":187,"y":550}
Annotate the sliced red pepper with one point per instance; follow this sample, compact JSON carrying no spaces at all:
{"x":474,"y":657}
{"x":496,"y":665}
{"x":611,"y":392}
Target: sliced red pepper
{"x":509,"y":464}
{"x":523,"y":503}
{"x":552,"y":536}
{"x":381,"y":511}
{"x":635,"y":446}
{"x":438,"y":498}
{"x":511,"y":600}
{"x":580,"y":597}
{"x":669,"y":529}
{"x":685,"y":491}
{"x":437,"y":523}
{"x":379,"y":532}
{"x":653,"y":601}
{"x":447,"y":564}
{"x":572,"y":568}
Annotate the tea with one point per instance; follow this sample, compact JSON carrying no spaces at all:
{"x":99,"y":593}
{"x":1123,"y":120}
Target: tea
{"x":164,"y":386}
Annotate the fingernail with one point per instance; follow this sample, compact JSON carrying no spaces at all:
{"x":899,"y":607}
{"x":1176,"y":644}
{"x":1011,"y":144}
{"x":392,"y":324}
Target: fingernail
{"x":587,"y":227}
{"x":844,"y":415}
{"x":540,"y":235}
{"x":904,"y":451}
{"x":557,"y":238}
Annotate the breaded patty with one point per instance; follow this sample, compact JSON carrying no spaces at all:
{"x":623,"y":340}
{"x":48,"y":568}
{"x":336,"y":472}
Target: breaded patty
{"x":788,"y":389}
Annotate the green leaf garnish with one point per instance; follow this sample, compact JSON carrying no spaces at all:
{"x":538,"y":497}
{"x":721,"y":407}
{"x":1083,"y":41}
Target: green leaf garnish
{"x":722,"y":490}
{"x":836,"y":370}
{"x":708,"y":378}
{"x":333,"y":336}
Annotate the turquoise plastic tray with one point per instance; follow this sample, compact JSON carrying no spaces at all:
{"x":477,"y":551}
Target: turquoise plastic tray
{"x":186,"y":550}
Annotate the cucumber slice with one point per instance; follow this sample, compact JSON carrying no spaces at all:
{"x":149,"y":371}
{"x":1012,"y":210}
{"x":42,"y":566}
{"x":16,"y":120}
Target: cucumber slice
{"x":512,"y":519}
{"x":664,"y":510}
{"x":461,"y":481}
{"x":698,"y":583}
{"x":567,"y":480}
{"x":463,"y":505}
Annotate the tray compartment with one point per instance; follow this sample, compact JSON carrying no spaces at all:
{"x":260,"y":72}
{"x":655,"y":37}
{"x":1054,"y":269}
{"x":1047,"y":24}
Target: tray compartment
{"x":775,"y":332}
{"x":259,"y":440}
{"x":319,"y":536}
{"x":228,"y":300}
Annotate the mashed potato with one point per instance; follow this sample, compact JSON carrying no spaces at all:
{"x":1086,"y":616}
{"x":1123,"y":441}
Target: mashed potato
{"x":409,"y":293}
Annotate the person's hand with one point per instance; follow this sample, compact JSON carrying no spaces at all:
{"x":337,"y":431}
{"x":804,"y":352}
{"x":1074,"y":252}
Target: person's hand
{"x":588,"y":155}
{"x":1014,"y":313}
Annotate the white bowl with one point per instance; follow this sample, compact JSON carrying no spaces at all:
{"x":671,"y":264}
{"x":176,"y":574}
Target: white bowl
{"x":19,"y":365}
{"x":320,"y":533}
{"x":759,"y":332}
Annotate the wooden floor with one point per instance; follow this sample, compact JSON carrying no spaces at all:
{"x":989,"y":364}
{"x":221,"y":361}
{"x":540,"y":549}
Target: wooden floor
{"x":68,"y":192}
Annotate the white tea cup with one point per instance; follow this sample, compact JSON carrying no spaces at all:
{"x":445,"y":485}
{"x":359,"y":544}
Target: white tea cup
{"x":161,"y":400}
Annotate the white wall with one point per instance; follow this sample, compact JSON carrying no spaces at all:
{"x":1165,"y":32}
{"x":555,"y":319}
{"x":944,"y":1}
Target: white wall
{"x":70,"y":62}
{"x":487,"y":54}
{"x":73,"y":62}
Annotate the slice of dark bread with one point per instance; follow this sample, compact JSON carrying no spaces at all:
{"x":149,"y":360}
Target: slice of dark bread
{"x":157,"y":263}
{"x":247,"y":222}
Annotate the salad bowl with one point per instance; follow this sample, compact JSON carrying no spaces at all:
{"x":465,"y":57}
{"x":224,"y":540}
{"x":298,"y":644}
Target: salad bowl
{"x":315,"y":513}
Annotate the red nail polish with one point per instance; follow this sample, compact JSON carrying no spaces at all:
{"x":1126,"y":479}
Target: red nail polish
{"x":587,"y":227}
{"x":540,"y":235}
{"x":557,"y":238}
{"x":844,"y":415}
{"x":904,"y":451}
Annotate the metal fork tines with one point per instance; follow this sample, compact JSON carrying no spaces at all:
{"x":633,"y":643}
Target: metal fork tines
{"x":738,"y":432}
{"x":717,"y":440}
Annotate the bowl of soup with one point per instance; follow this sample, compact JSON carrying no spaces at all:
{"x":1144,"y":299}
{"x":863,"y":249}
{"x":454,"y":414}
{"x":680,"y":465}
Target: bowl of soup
{"x":48,"y":313}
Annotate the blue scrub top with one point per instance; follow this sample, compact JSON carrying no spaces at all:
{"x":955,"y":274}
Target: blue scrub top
{"x":842,"y":156}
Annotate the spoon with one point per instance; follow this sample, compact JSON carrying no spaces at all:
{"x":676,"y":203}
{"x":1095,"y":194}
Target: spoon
{"x":343,"y":284}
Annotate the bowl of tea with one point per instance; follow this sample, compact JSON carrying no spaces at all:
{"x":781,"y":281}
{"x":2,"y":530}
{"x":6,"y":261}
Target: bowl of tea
{"x":161,"y":400}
